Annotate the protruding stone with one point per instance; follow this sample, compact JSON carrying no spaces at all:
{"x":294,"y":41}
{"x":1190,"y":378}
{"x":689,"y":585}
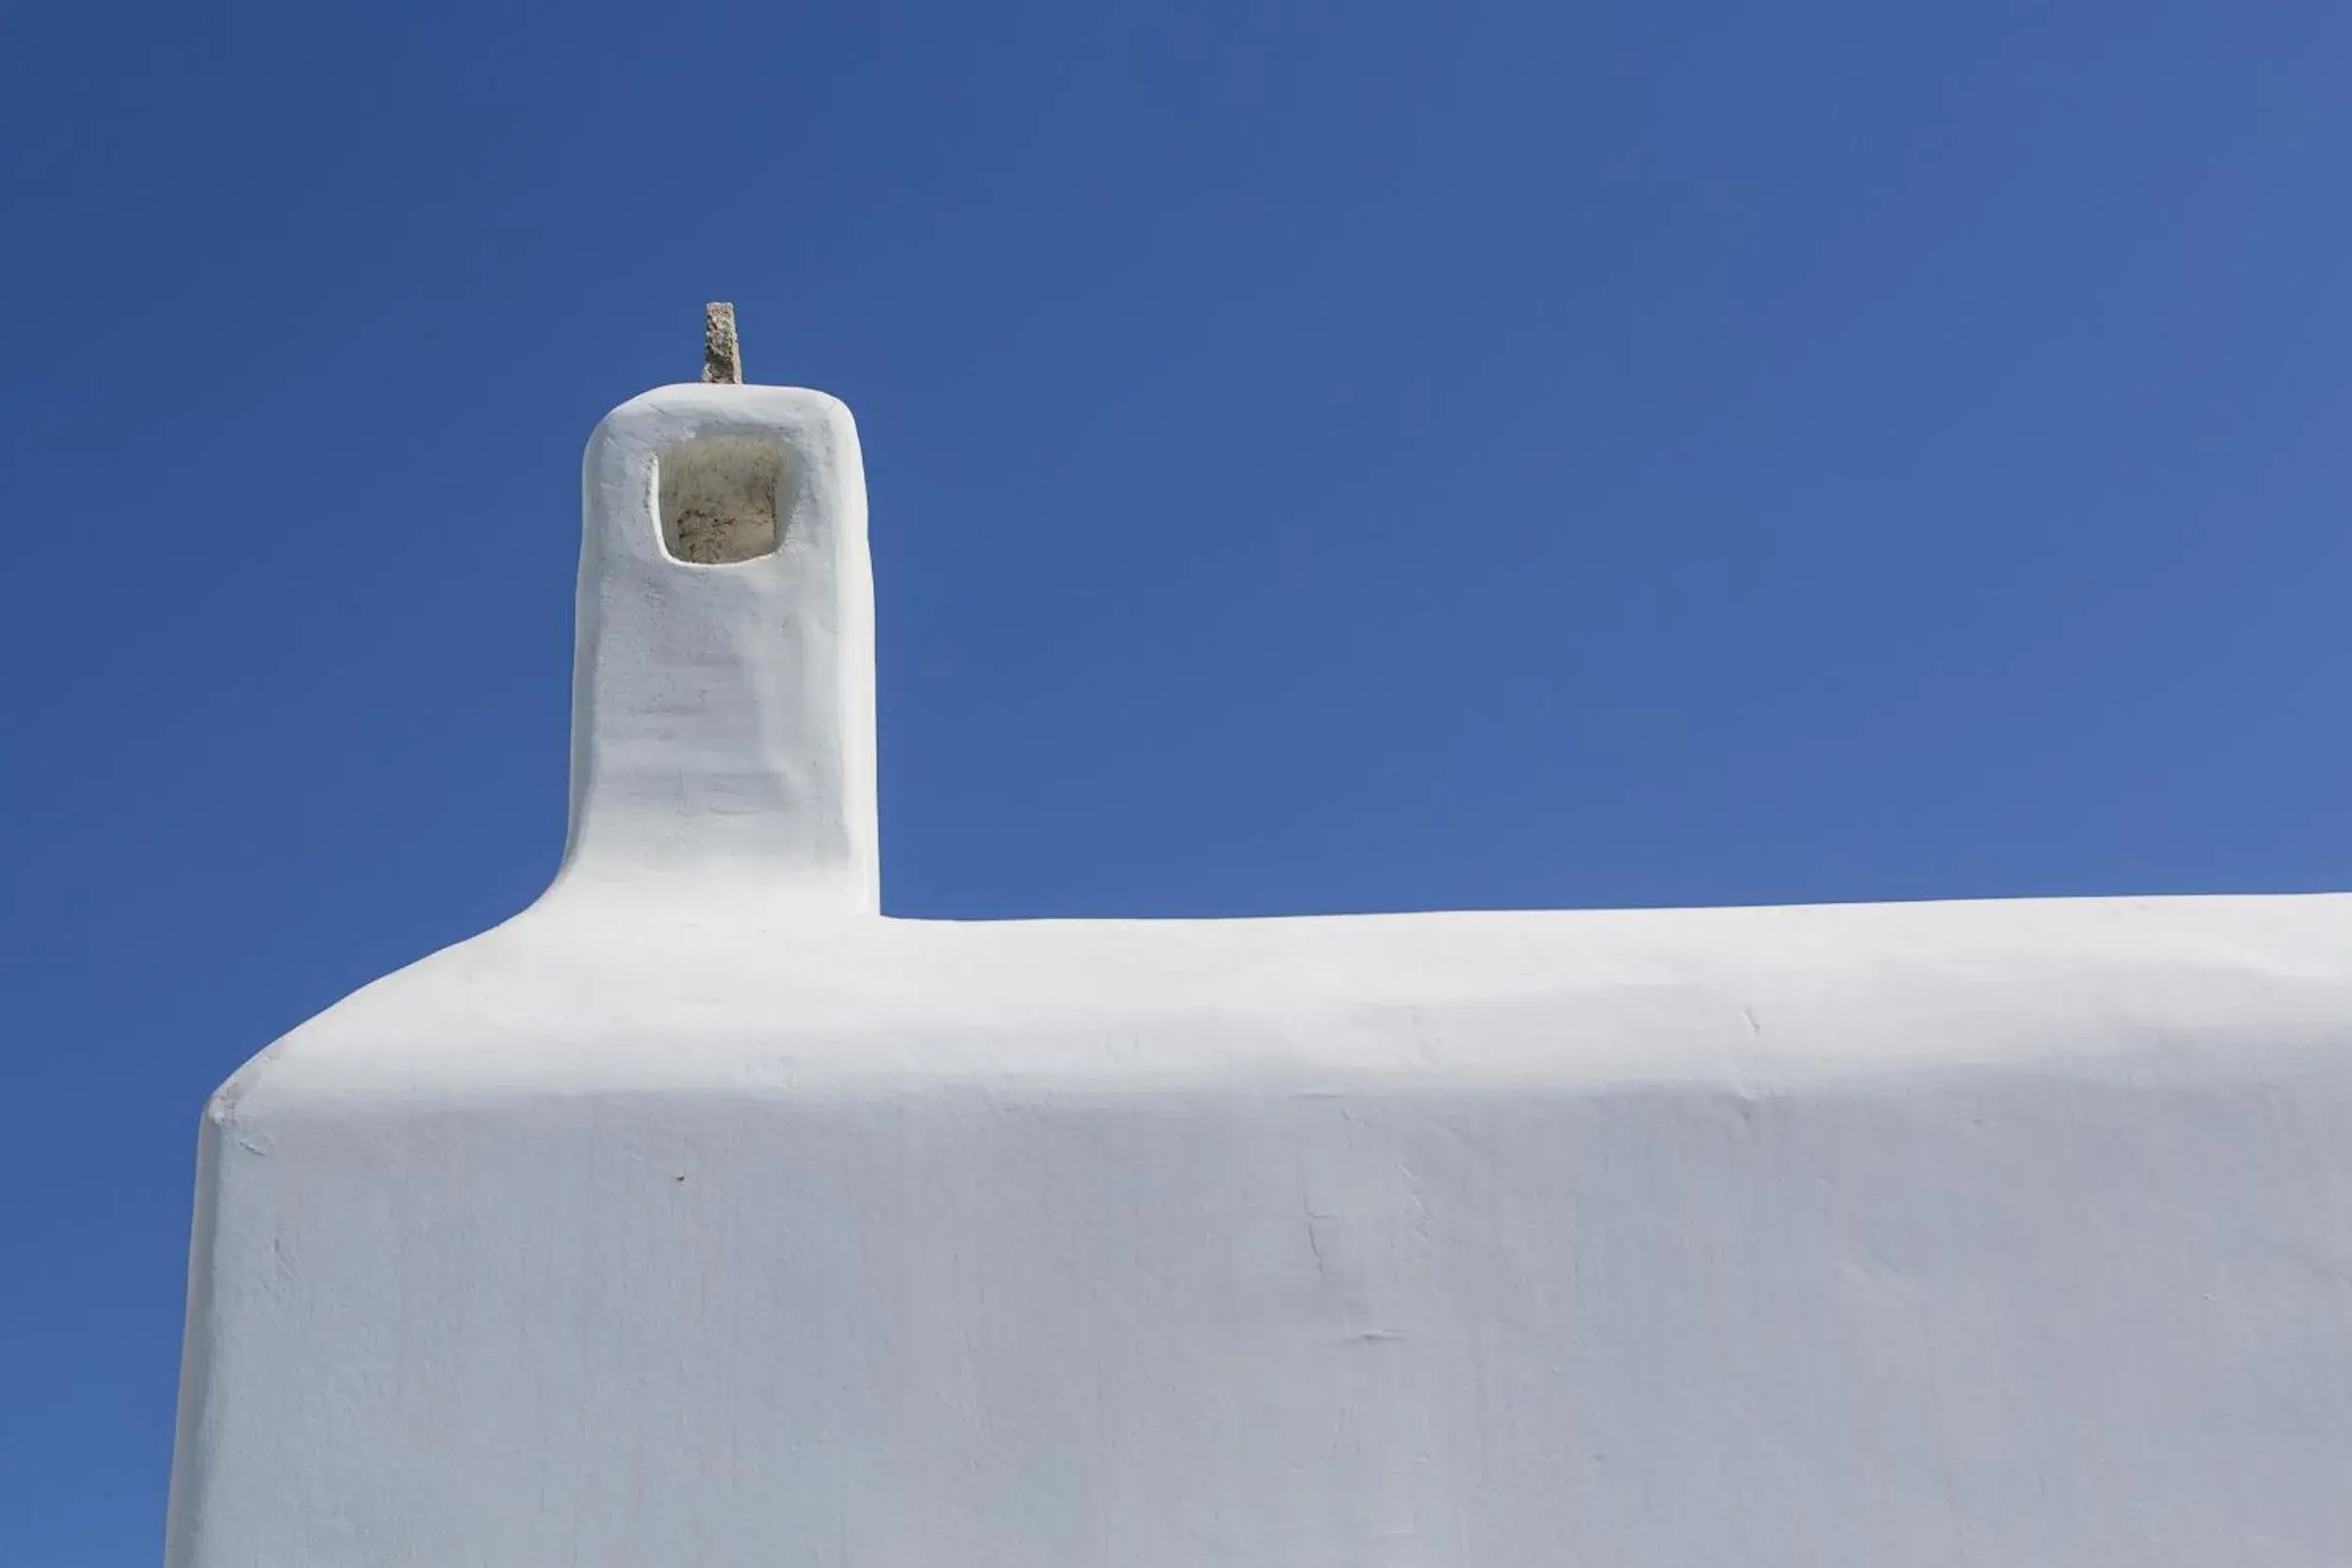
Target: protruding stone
{"x":723,"y":352}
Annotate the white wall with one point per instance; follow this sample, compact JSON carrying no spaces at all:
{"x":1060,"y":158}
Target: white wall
{"x":702,"y":1216}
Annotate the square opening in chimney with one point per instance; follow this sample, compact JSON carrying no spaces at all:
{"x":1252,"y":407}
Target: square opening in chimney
{"x":718,"y":498}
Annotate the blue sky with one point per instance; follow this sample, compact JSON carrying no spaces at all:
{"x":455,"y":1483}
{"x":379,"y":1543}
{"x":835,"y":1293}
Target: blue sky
{"x":1323,"y":458}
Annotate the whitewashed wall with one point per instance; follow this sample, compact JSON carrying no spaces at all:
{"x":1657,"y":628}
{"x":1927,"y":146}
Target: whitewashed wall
{"x":702,"y":1216}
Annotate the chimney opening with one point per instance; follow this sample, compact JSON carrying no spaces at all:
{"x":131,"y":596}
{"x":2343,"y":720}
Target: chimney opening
{"x":718,"y":500}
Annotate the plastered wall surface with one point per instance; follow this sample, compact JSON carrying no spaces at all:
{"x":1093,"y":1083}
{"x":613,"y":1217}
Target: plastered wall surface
{"x":700,"y":1215}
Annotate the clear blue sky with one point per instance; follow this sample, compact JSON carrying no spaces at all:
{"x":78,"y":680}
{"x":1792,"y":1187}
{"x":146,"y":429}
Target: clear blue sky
{"x":1323,"y":458}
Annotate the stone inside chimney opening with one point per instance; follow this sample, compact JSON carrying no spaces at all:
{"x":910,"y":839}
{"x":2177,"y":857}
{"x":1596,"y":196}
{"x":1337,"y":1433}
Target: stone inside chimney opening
{"x":718,"y":500}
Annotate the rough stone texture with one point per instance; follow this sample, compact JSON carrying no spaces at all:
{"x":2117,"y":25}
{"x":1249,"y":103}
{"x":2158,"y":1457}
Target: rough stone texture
{"x":723,"y":352}
{"x":718,"y":499}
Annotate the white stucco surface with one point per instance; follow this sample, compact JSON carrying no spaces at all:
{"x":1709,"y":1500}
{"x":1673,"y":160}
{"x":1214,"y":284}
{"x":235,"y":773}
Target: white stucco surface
{"x":700,"y":1215}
